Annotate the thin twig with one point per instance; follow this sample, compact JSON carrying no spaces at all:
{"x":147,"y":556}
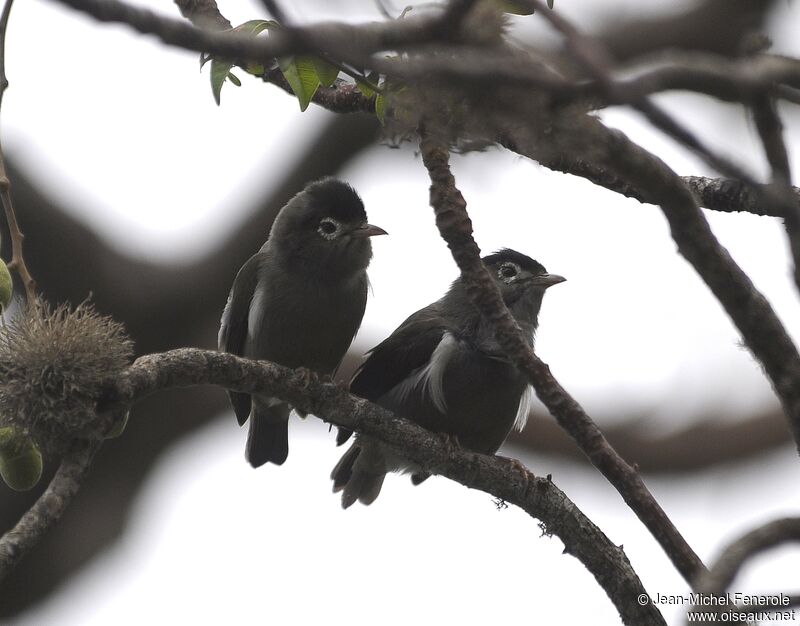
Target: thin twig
{"x":456,"y":229}
{"x":17,"y":259}
{"x":770,"y":130}
{"x":719,"y":577}
{"x":721,"y":574}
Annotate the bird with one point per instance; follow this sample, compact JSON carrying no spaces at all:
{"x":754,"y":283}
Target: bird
{"x":298,"y":301}
{"x":444,"y":369}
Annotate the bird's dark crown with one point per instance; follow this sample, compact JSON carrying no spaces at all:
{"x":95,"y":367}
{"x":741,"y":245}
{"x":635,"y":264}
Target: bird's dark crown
{"x":505,"y":255}
{"x":335,"y":198}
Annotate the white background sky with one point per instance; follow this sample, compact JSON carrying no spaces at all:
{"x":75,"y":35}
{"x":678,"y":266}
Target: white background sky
{"x":127,"y":133}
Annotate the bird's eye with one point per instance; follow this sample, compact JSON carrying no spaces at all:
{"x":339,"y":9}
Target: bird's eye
{"x":508,"y":272}
{"x":329,"y":228}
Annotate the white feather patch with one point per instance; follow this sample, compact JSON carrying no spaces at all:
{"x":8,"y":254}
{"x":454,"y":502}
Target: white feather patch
{"x":431,"y":376}
{"x":254,"y":317}
{"x":524,"y":408}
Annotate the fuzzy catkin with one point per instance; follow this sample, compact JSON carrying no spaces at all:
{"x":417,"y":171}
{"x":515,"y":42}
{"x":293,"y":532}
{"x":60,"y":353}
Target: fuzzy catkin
{"x":53,"y":364}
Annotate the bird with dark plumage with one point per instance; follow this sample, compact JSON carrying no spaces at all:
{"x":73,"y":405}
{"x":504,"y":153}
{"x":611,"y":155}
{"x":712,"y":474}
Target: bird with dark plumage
{"x":444,"y":369}
{"x":298,"y":301}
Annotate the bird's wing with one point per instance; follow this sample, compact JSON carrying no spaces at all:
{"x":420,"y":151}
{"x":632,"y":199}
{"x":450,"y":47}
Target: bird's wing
{"x":233,"y":328}
{"x":405,"y":350}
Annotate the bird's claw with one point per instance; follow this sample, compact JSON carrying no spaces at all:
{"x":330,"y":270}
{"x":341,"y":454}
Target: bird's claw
{"x":518,"y":467}
{"x":450,"y":441}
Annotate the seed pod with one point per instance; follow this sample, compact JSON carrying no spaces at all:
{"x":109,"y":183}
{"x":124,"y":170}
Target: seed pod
{"x":5,"y":286}
{"x":20,"y":460}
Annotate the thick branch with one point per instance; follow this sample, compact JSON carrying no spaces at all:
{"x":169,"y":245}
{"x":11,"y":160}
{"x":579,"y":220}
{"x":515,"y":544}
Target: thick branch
{"x":537,"y":496}
{"x":656,"y":183}
{"x":344,"y":41}
{"x":456,"y":229}
{"x":752,"y":314}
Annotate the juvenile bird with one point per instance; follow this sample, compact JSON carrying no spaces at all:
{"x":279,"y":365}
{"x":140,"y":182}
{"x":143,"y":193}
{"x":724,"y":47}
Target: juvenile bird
{"x":298,"y":301}
{"x":443,"y":369}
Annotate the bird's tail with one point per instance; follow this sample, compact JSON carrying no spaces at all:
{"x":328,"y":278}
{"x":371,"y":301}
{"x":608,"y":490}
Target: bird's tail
{"x":268,"y":437}
{"x":359,"y":474}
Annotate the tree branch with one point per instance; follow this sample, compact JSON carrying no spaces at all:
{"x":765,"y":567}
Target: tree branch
{"x":456,"y":229}
{"x":49,"y":508}
{"x":719,"y":577}
{"x":17,"y":259}
{"x":539,"y":497}
{"x":752,"y":314}
{"x":770,"y":130}
{"x":346,"y":42}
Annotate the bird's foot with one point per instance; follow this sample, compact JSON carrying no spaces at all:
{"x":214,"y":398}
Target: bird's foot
{"x":305,"y":376}
{"x":519,"y":468}
{"x":450,"y":442}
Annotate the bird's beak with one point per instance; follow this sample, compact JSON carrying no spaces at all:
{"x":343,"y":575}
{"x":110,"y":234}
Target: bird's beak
{"x":547,"y":280}
{"x":368,"y":230}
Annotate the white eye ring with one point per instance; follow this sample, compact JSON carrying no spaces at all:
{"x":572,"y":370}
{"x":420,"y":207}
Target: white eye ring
{"x":508,"y":271}
{"x":329,"y":228}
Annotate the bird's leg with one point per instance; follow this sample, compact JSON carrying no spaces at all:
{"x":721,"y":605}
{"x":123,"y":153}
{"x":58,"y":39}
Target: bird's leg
{"x":450,"y":441}
{"x":519,"y":467}
{"x":305,"y":375}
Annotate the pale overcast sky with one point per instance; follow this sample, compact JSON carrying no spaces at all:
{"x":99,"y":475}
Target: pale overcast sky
{"x":127,"y":133}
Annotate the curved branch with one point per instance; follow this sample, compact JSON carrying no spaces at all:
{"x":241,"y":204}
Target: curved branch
{"x":733,"y":557}
{"x":719,"y":577}
{"x":506,"y":480}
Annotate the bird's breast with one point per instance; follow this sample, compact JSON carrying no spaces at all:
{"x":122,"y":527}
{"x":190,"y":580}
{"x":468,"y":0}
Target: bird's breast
{"x":463,"y":392}
{"x":302,"y":325}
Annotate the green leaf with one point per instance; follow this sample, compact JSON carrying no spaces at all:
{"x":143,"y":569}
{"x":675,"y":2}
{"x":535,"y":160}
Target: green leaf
{"x":219,"y":72}
{"x":20,"y":459}
{"x":326,"y":72}
{"x":254,"y":27}
{"x":380,"y":108}
{"x":220,"y":68}
{"x":302,"y":77}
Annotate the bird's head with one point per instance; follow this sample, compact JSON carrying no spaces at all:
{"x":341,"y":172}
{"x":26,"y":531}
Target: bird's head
{"x":522,"y":281}
{"x":325,"y":226}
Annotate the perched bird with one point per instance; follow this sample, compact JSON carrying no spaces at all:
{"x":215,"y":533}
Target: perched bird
{"x":298,"y":301}
{"x":444,"y":369}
